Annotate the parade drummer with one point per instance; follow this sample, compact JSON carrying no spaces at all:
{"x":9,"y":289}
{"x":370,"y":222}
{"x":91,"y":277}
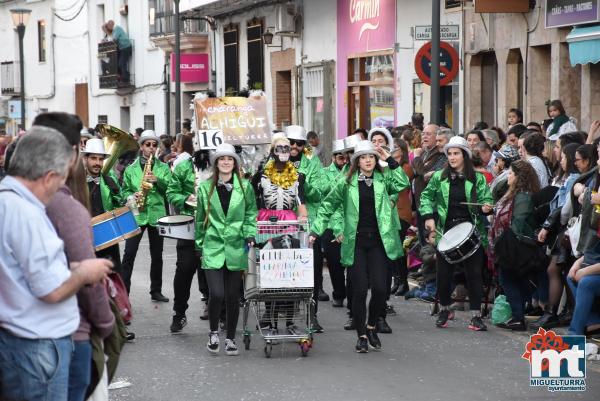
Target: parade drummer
{"x":457,"y":194}
{"x":104,"y":189}
{"x":225,"y":226}
{"x":181,"y":195}
{"x":153,"y":209}
{"x":370,"y":236}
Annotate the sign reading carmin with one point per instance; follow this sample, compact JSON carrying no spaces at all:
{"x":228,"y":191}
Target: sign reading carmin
{"x":286,"y":268}
{"x":242,"y":121}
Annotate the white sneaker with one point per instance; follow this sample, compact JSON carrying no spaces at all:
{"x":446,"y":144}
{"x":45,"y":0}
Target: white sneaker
{"x":213,"y":342}
{"x":230,"y":348}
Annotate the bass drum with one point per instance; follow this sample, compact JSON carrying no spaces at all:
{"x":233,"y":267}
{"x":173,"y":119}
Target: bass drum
{"x":177,"y":226}
{"x":459,"y":243}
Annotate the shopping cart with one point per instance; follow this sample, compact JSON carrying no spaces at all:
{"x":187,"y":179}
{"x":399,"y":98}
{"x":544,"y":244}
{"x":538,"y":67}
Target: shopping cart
{"x":278,"y":285}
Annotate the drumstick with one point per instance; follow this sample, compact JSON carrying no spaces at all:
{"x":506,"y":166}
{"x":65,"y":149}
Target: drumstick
{"x":475,"y":204}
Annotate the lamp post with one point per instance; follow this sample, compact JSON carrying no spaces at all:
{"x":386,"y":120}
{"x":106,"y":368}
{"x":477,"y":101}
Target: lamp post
{"x":20,"y":17}
{"x":177,"y":69}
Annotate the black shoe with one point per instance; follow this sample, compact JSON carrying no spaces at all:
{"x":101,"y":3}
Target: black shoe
{"x":548,"y":321}
{"x":315,"y":326}
{"x":350,"y":324}
{"x":513,"y":324}
{"x":389,"y":310}
{"x":383,"y":327}
{"x":402,"y":289}
{"x":373,"y":339}
{"x":477,"y":324}
{"x":410,"y":294}
{"x":130,"y":336}
{"x":323,"y":296}
{"x":443,"y":317}
{"x":362,"y":346}
{"x":395,"y":285}
{"x":179,"y":322}
{"x":204,"y":315}
{"x":534,"y":311}
{"x":564,"y":318}
{"x":337,"y":303}
{"x":158,"y":297}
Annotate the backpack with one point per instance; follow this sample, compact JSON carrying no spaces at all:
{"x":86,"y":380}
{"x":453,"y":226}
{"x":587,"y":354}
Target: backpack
{"x":118,"y":294}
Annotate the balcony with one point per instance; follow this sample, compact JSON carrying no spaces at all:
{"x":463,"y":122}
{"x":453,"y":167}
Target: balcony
{"x":110,"y":77}
{"x":9,"y":78}
{"x":194,"y":33}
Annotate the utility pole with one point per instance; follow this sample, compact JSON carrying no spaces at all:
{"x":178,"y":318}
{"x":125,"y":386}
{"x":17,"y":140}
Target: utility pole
{"x":177,"y":69}
{"x":435,"y":62}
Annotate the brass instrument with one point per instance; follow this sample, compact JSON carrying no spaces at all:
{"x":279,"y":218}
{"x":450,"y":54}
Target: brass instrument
{"x":145,"y":186}
{"x":116,"y":142}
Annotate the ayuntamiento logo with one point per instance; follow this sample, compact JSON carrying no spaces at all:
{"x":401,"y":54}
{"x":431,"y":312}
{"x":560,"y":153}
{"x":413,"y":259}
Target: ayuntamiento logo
{"x":556,"y":362}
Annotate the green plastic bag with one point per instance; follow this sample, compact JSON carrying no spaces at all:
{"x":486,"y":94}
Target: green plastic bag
{"x":501,"y":311}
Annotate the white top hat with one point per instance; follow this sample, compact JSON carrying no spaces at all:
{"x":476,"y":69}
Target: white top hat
{"x":295,"y":132}
{"x":338,"y":146}
{"x":224,"y":149}
{"x":148,"y":135}
{"x":95,"y":146}
{"x":364,"y":148}
{"x":85,"y":133}
{"x":386,"y":133}
{"x":458,"y":142}
{"x":351,"y":141}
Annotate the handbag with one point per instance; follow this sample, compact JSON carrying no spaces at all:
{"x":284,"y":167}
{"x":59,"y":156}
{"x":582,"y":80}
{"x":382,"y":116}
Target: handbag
{"x":518,"y":254}
{"x":574,"y":231}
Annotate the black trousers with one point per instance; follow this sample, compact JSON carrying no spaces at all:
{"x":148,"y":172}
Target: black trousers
{"x":122,"y":62}
{"x":333,"y":253}
{"x":187,"y":266}
{"x":398,"y":267}
{"x":472,"y":269}
{"x":318,"y":271}
{"x":114,"y":254}
{"x":156,"y":264}
{"x":224,"y":285}
{"x":370,"y":269}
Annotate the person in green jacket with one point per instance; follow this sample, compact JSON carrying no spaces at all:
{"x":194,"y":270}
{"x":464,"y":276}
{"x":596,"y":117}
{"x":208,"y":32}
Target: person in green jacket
{"x":225,"y":228}
{"x":446,"y":194}
{"x":370,"y":238}
{"x":154,"y":208}
{"x":105,"y":192}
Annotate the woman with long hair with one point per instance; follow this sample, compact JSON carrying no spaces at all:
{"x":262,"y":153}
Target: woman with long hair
{"x":586,"y":158}
{"x":561,"y":123}
{"x":514,"y":211}
{"x":531,"y":148}
{"x":454,"y":194}
{"x":225,"y":225}
{"x":370,"y":237}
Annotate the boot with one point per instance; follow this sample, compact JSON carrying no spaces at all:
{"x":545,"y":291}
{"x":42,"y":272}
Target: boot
{"x":403,"y":288}
{"x":395,"y":285}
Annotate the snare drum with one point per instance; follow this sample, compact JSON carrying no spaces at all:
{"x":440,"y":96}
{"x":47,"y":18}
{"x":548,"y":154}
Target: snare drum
{"x":112,"y":227}
{"x":459,"y":243}
{"x":178,"y":226}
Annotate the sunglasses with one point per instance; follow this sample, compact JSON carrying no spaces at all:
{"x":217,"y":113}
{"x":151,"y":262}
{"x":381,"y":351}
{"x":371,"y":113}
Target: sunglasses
{"x":297,"y":143}
{"x":151,"y":144}
{"x":282,"y":149}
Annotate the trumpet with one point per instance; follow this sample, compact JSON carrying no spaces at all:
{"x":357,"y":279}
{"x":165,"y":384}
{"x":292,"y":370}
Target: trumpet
{"x":145,"y":186}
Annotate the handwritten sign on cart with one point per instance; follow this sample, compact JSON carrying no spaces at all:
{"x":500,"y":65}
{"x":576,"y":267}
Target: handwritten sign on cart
{"x":286,"y":268}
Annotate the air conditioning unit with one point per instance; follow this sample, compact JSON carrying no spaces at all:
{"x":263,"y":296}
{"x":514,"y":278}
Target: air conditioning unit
{"x":286,"y":18}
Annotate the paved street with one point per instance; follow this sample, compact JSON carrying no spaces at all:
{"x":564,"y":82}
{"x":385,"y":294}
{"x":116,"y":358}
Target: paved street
{"x":418,"y":362}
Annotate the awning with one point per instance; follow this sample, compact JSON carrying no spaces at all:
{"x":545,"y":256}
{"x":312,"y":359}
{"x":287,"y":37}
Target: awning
{"x":584,"y":45}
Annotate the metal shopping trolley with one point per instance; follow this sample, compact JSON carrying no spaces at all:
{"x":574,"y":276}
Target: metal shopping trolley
{"x":278,"y":285}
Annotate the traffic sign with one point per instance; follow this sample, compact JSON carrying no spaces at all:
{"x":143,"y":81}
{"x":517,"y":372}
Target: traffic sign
{"x":447,"y":32}
{"x":448,"y":63}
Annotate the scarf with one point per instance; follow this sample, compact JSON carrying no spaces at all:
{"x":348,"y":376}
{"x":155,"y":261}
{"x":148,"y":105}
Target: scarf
{"x":181,"y":157}
{"x":558,"y":122}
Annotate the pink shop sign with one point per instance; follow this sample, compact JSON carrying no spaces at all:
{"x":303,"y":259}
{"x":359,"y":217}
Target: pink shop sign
{"x":194,"y":67}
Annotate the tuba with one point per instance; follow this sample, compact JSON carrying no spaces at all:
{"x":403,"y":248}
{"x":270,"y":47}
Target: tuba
{"x":116,"y":142}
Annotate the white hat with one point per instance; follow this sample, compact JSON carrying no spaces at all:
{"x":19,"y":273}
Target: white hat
{"x":364,"y":148}
{"x":458,"y":142}
{"x":295,"y":132}
{"x":148,"y":135}
{"x":85,"y":133}
{"x":224,"y":149}
{"x":338,"y":146}
{"x":95,"y":146}
{"x":351,"y":141}
{"x":386,"y":133}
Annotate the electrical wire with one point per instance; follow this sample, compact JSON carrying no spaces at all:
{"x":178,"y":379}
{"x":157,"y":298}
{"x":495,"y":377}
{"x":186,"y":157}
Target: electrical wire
{"x":72,"y":6}
{"x":75,"y":16}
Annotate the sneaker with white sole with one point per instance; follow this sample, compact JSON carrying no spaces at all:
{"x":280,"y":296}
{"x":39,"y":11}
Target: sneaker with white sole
{"x":231,"y":348}
{"x":213,"y":342}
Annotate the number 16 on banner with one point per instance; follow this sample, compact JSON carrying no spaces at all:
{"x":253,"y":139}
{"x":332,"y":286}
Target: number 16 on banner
{"x":209,"y":139}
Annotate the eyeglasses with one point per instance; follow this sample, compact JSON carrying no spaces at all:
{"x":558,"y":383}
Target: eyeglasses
{"x":151,"y":144}
{"x":297,"y":143}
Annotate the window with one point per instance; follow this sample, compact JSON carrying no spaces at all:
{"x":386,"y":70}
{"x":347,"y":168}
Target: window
{"x":371,"y":90}
{"x":230,"y":44}
{"x":149,"y":122}
{"x":255,"y":54}
{"x":450,"y":4}
{"x":103,"y":119}
{"x":161,"y":18}
{"x":41,"y":26}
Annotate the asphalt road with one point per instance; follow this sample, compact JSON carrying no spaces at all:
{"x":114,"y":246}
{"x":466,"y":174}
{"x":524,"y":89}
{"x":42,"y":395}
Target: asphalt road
{"x":418,"y":361}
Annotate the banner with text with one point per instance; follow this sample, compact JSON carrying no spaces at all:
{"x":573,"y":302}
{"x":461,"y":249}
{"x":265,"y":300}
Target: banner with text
{"x":239,"y":120}
{"x":286,"y":268}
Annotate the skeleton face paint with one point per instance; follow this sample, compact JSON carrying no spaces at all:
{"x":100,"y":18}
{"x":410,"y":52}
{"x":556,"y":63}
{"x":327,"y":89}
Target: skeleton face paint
{"x":282,"y":152}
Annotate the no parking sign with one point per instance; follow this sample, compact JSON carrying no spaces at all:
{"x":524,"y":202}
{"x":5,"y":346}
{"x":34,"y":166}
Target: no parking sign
{"x":448,"y":63}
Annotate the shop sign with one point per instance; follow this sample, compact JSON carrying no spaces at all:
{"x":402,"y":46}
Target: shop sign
{"x":571,"y":12}
{"x":193,"y":67}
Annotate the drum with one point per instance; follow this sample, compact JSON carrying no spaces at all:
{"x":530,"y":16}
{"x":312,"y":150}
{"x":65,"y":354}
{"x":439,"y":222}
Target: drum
{"x":178,"y":226}
{"x":459,"y":243}
{"x":112,"y":227}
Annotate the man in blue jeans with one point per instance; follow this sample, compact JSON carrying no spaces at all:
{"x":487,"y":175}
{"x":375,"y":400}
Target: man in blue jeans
{"x":38,"y":310}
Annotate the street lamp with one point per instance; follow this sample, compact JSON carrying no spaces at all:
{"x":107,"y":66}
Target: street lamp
{"x":20,"y":17}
